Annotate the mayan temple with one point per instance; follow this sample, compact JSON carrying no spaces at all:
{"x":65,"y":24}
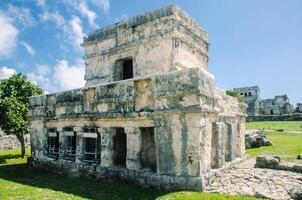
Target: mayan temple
{"x":150,"y":112}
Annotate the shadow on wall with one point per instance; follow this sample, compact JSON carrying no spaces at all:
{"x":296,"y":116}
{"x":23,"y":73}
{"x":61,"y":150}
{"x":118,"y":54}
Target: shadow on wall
{"x":79,"y":186}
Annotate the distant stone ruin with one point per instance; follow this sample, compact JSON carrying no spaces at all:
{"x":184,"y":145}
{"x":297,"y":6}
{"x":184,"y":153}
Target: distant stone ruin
{"x":150,"y":112}
{"x":267,"y":109}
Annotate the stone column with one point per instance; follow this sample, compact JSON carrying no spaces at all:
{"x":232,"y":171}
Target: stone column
{"x":79,"y":144}
{"x":107,"y":151}
{"x":134,"y":142}
{"x":231,"y":141}
{"x":61,"y":143}
{"x":240,"y":143}
{"x":221,"y":131}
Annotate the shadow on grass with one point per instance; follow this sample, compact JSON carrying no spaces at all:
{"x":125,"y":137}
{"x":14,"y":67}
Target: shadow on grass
{"x":79,"y":186}
{"x":3,"y":158}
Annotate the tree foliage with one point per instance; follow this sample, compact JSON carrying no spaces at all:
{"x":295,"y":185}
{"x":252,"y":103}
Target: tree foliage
{"x":235,"y":94}
{"x":14,"y":105}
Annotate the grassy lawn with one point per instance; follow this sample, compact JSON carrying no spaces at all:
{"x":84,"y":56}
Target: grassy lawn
{"x":287,"y":144}
{"x":276,"y":125}
{"x":19,"y":182}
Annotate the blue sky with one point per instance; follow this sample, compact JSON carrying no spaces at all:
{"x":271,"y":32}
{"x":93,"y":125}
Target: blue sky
{"x":253,"y":42}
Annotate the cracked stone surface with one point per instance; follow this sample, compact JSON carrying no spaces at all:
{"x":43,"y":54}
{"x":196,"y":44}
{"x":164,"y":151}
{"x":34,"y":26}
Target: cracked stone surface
{"x":267,"y":183}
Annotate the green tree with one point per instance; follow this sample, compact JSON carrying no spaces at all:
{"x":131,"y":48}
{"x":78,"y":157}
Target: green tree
{"x":14,"y":106}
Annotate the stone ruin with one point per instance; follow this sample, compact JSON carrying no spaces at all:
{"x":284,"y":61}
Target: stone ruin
{"x":279,"y":105}
{"x":150,"y":112}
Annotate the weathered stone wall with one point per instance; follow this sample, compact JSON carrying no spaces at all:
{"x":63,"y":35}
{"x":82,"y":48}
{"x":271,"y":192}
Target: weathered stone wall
{"x":11,"y":141}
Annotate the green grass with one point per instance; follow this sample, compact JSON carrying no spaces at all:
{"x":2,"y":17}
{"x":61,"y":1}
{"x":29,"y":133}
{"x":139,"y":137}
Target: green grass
{"x":19,"y":182}
{"x":276,"y":125}
{"x":286,"y":144}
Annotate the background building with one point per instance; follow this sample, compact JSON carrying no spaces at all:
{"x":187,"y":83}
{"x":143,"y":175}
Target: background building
{"x":279,"y":105}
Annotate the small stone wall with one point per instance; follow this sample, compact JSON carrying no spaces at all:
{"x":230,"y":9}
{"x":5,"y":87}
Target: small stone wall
{"x":149,"y":179}
{"x":291,"y":117}
{"x":11,"y":142}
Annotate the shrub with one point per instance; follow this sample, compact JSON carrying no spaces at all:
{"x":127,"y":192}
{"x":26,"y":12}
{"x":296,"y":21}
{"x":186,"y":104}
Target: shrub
{"x":235,"y":94}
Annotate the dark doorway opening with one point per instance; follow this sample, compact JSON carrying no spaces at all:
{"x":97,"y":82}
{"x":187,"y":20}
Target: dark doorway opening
{"x":148,"y":149}
{"x":120,"y":147}
{"x":272,"y":112}
{"x":123,"y":69}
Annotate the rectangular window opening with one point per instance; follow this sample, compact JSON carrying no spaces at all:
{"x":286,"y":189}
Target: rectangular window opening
{"x":91,"y":150}
{"x":123,"y":69}
{"x":53,"y":144}
{"x":148,"y":150}
{"x":120,"y":147}
{"x":70,"y":148}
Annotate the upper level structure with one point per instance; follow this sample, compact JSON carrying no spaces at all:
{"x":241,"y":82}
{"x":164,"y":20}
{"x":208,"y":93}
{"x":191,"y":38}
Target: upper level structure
{"x":156,"y":42}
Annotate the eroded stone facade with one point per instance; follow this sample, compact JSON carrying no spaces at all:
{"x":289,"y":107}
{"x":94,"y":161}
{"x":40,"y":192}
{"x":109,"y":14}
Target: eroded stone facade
{"x":150,"y":111}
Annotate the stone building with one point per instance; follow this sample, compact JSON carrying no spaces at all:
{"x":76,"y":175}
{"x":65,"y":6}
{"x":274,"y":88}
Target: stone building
{"x":299,"y":108}
{"x":280,"y":105}
{"x":251,"y":98}
{"x":149,"y":113}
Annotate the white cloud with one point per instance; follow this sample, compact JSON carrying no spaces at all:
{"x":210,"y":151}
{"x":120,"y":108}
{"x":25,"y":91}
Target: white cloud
{"x":21,"y":16}
{"x":85,"y":11}
{"x":8,"y":36}
{"x":54,"y":17}
{"x":76,"y":34}
{"x":41,"y":3}
{"x":69,"y":77}
{"x":42,"y":77}
{"x":72,"y":30}
{"x":104,"y":4}
{"x":28,"y":48}
{"x":6,"y":72}
{"x":42,"y":69}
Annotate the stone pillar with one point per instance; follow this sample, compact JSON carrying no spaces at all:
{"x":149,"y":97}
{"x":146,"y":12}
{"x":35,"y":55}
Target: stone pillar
{"x":79,"y":144}
{"x":134,"y":142}
{"x":61,"y":143}
{"x":231,"y":141}
{"x":221,"y":131}
{"x":240,"y":143}
{"x":107,"y":151}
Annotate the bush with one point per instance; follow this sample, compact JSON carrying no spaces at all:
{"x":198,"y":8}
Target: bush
{"x":235,"y":94}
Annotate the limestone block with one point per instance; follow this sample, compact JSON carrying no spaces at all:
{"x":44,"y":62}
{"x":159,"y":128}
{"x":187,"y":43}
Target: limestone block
{"x":51,"y":105}
{"x":143,"y":95}
{"x":89,"y":100}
